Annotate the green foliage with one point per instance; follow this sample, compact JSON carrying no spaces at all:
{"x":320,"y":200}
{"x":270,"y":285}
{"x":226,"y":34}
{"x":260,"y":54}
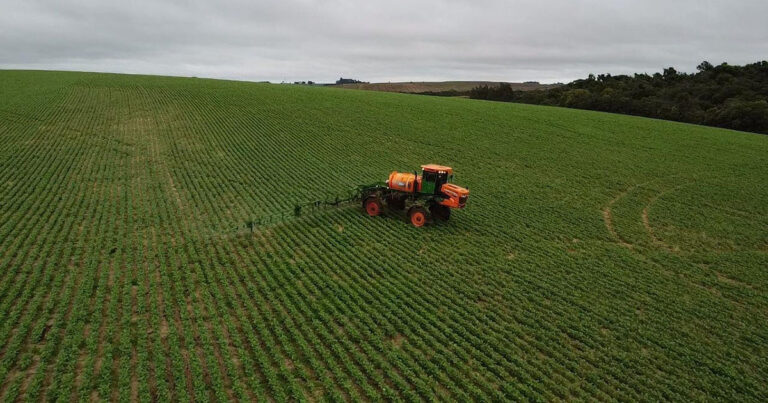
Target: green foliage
{"x":601,"y":257}
{"x":727,"y":96}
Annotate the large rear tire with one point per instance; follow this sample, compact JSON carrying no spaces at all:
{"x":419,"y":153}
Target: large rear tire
{"x":440,"y":212}
{"x":418,"y":216}
{"x":372,"y":206}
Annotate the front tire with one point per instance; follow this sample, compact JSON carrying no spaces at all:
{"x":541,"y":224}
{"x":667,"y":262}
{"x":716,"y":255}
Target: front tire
{"x":418,"y":216}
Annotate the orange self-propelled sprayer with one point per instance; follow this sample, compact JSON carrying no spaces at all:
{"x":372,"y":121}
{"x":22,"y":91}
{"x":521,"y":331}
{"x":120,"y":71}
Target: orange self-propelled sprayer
{"x":432,"y":190}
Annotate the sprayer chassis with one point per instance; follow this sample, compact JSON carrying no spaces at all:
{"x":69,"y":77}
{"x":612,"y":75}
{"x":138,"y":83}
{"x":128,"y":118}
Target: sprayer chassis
{"x":419,"y":206}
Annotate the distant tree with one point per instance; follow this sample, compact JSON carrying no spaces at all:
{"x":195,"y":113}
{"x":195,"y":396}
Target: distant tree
{"x":576,"y":98}
{"x":724,"y":95}
{"x":741,"y":115}
{"x":705,"y":66}
{"x":669,"y":72}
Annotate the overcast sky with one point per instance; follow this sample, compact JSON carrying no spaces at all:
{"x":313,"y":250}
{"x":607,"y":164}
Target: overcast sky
{"x":372,"y":40}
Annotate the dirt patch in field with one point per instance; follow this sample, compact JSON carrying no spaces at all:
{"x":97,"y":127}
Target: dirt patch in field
{"x":79,"y":367}
{"x":28,"y":374}
{"x":134,"y":311}
{"x":442,"y":391}
{"x":164,"y":328}
{"x":187,"y":372}
{"x":397,"y":340}
{"x":134,"y":376}
{"x":573,"y":248}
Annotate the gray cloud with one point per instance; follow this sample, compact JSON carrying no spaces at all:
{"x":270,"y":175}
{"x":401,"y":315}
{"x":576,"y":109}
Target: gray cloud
{"x":393,"y":40}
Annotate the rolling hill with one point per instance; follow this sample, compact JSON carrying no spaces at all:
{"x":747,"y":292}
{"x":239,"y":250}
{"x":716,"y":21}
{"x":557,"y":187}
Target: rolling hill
{"x":600,"y":256}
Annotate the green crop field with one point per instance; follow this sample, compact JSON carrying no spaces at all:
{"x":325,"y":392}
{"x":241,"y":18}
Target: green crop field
{"x":600,"y":257}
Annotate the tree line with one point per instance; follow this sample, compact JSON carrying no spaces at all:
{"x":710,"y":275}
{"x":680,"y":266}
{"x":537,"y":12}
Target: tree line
{"x":734,"y":97}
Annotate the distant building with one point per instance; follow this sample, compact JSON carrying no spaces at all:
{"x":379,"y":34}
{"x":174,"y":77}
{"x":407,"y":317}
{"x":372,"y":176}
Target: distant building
{"x":343,"y":80}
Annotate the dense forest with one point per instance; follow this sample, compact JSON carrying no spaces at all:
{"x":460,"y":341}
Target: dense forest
{"x":734,"y":97}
